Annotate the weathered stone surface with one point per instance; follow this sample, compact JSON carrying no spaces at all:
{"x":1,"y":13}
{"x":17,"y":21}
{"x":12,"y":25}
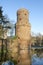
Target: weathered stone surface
{"x":20,"y":48}
{"x":23,"y":31}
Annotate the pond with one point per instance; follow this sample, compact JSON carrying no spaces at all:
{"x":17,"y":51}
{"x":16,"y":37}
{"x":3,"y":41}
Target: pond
{"x":8,"y":63}
{"x":36,"y":60}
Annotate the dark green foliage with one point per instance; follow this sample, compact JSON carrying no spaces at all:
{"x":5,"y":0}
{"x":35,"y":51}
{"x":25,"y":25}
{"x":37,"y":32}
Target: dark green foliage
{"x":14,"y":37}
{"x":15,"y":62}
{"x":3,"y":27}
{"x":1,"y":12}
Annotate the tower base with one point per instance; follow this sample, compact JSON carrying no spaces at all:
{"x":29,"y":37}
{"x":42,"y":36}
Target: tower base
{"x":25,"y":62}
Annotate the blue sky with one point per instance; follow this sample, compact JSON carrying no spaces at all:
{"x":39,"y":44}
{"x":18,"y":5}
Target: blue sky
{"x":35,"y":7}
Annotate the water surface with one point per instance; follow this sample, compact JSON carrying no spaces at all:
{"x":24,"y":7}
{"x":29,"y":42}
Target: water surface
{"x":37,"y":60}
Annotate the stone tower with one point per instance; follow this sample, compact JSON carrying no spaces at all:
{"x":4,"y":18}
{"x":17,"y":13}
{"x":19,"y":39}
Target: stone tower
{"x":23,"y":32}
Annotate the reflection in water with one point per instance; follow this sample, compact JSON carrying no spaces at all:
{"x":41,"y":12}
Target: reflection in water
{"x":8,"y":63}
{"x":36,"y":60}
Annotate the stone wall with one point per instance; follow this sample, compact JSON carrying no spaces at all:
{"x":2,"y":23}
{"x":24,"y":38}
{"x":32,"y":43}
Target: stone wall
{"x":23,"y":32}
{"x":23,"y":27}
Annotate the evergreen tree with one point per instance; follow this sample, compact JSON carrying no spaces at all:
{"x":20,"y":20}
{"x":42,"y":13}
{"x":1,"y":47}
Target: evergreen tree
{"x":3,"y":29}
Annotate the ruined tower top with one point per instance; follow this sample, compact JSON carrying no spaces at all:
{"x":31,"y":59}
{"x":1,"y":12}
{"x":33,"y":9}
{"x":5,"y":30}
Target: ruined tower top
{"x":22,"y":10}
{"x":22,"y":14}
